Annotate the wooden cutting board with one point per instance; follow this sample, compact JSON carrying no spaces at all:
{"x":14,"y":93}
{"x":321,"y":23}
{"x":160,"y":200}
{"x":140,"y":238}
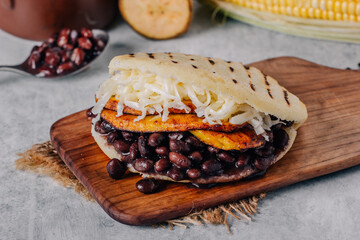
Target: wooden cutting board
{"x":329,"y":141}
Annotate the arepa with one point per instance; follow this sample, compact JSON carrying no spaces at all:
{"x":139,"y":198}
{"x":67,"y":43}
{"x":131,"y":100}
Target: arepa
{"x":208,"y":120}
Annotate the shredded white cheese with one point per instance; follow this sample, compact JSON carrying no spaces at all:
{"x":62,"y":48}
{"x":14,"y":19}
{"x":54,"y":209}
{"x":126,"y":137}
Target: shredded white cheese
{"x":149,"y":93}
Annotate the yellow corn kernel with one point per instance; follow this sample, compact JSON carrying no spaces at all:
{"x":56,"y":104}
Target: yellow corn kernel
{"x":344,"y":7}
{"x":337,"y":7}
{"x":345,"y":17}
{"x":296,"y":11}
{"x":357,"y":11}
{"x":311,"y":13}
{"x":352,"y":18}
{"x":338,"y":16}
{"x":323,"y":14}
{"x":282,"y":9}
{"x":351,"y":8}
{"x":330,"y":5}
{"x":331,"y":15}
{"x":303,"y":12}
{"x":317,"y":13}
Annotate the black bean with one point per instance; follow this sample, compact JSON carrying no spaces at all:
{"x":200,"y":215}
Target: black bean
{"x":225,"y":157}
{"x":193,"y":173}
{"x":121,"y":146}
{"x":162,"y":151}
{"x":267,"y":150}
{"x":281,"y":139}
{"x":115,"y":168}
{"x":196,"y":157}
{"x":262,"y":163}
{"x":176,"y":135}
{"x":107,"y":126}
{"x":143,"y":148}
{"x":212,"y":149}
{"x":211,"y":167}
{"x":90,"y":114}
{"x":133,"y":151}
{"x":155,"y":139}
{"x":99,"y":128}
{"x":143,"y":164}
{"x":162,"y":164}
{"x":193,"y":141}
{"x":179,"y":146}
{"x":111,"y":137}
{"x":179,"y":160}
{"x":147,"y":185}
{"x":242,"y":160}
{"x":176,"y":174}
{"x":128,"y":136}
{"x":276,"y":126}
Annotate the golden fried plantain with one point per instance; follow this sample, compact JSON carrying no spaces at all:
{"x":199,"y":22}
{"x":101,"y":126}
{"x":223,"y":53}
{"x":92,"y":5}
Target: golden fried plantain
{"x":243,"y":139}
{"x":112,"y":105}
{"x":175,"y":123}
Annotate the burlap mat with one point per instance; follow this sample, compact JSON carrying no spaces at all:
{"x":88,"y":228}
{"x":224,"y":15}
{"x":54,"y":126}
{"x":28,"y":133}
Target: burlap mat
{"x":44,"y":160}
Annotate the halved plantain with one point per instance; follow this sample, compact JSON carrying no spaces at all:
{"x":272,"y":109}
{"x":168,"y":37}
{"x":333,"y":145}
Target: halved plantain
{"x":243,"y":139}
{"x":157,"y":19}
{"x":175,"y":123}
{"x":112,"y":105}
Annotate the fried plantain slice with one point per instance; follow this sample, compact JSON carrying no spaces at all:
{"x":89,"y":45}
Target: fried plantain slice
{"x":243,"y":139}
{"x":175,"y":123}
{"x":112,"y":105}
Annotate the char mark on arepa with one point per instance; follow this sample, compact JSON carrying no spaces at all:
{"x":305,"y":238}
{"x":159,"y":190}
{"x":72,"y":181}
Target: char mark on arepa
{"x":131,"y":55}
{"x":231,"y":69}
{"x":266,"y":81}
{"x":194,"y":66}
{"x":246,"y":67}
{"x":269,"y":92}
{"x":174,"y":61}
{"x":286,"y":97}
{"x":252,"y":86}
{"x":234,"y":81}
{"x":151,"y":55}
{"x":211,"y":62}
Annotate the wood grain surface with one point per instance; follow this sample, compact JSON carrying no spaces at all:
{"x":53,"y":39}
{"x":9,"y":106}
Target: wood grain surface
{"x":329,"y":141}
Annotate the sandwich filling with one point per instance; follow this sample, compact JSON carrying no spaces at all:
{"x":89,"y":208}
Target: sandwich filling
{"x":166,"y":129}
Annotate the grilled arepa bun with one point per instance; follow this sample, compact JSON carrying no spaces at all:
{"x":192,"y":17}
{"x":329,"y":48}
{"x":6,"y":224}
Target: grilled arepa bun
{"x":189,"y":118}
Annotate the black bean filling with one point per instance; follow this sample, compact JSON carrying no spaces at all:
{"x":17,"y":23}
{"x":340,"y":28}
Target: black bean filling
{"x":180,"y":155}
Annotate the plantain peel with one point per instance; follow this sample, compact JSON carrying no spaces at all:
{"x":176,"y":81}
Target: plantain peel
{"x":113,"y":102}
{"x":240,"y":140}
{"x":175,"y":123}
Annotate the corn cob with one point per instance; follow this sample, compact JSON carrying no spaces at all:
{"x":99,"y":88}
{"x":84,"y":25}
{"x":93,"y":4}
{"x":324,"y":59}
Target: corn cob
{"x":345,"y":10}
{"x":337,"y":20}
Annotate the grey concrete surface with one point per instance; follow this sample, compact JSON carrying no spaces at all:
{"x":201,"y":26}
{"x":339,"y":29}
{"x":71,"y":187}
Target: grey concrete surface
{"x":33,"y":207}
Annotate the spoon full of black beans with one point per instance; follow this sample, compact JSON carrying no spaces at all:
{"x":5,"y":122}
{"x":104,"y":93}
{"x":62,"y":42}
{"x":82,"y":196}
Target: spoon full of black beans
{"x":65,"y":53}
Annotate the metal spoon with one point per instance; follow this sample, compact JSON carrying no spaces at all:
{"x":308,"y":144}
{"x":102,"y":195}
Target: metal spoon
{"x":24,"y":69}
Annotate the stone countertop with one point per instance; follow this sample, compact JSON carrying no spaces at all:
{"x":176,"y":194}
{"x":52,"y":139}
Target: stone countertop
{"x":33,"y":207}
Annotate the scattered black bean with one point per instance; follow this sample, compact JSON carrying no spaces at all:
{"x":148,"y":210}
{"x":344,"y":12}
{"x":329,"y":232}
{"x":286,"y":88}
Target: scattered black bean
{"x":225,"y":157}
{"x":267,"y":150}
{"x":143,"y":165}
{"x":143,"y":148}
{"x":147,"y":185}
{"x":155,"y":139}
{"x":179,"y":146}
{"x":242,"y":160}
{"x":263,"y":163}
{"x":176,"y":174}
{"x":179,"y":160}
{"x":90,"y":114}
{"x":193,"y":141}
{"x":196,"y":157}
{"x":128,"y":136}
{"x":162,"y":151}
{"x":133,"y":151}
{"x":115,"y":168}
{"x":193,"y":173}
{"x":162,"y":164}
{"x":281,"y":139}
{"x":111,"y":137}
{"x":211,"y":167}
{"x":121,"y":146}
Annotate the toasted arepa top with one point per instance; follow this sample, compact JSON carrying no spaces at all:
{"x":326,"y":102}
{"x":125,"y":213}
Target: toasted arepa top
{"x":231,"y":79}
